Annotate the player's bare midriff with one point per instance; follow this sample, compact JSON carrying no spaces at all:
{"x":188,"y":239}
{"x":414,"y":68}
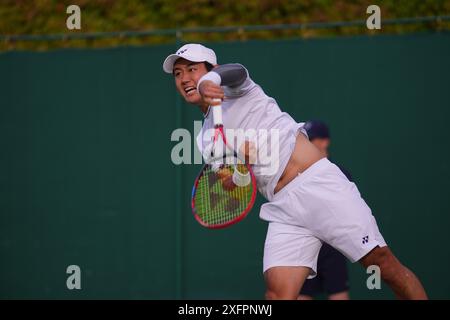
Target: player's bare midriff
{"x":305,"y":154}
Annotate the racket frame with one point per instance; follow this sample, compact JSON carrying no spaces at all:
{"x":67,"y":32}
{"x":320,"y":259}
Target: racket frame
{"x":218,"y":125}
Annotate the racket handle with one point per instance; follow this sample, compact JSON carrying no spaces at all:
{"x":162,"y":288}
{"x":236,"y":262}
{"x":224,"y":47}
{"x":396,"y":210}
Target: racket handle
{"x":217,"y":113}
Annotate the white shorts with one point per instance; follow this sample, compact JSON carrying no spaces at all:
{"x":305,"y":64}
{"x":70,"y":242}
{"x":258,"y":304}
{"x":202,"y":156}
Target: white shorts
{"x":321,"y":204}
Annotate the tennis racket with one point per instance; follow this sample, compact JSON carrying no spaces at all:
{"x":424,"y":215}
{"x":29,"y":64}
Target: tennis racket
{"x":224,"y":191}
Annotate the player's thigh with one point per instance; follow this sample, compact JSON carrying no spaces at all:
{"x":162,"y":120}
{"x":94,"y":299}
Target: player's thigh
{"x":285,"y":282}
{"x":290,"y":246}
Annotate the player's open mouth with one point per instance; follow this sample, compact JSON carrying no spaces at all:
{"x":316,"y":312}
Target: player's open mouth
{"x":190,"y":90}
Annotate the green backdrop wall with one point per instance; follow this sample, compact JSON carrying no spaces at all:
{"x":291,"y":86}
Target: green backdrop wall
{"x":86,"y":176}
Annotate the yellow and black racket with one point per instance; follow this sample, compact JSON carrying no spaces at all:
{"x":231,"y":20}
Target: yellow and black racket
{"x":225,"y":189}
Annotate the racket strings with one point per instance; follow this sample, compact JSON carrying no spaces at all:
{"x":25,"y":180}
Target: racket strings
{"x":216,"y":205}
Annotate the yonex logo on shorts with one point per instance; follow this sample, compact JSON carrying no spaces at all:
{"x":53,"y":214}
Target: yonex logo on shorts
{"x":365,"y":239}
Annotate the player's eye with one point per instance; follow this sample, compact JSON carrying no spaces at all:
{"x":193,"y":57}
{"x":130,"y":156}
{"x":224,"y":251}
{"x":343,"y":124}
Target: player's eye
{"x":177,"y":73}
{"x":192,"y":69}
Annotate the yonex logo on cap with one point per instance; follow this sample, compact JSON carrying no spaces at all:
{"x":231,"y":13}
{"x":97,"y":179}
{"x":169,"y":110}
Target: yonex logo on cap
{"x":365,"y":239}
{"x":197,"y":53}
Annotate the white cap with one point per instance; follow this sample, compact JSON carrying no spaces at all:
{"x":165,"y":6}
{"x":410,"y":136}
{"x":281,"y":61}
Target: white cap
{"x":193,"y":52}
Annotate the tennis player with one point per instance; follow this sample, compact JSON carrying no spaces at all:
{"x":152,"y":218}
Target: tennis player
{"x":309,"y":199}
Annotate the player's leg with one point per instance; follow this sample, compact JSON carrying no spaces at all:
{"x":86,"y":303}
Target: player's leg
{"x":290,"y":256}
{"x":342,"y":218}
{"x":284,"y":283}
{"x":400,"y":279}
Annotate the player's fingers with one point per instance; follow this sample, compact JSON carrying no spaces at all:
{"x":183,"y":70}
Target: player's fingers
{"x":213,"y":100}
{"x":208,"y":87}
{"x":213,"y":87}
{"x":216,"y":89}
{"x":218,"y":94}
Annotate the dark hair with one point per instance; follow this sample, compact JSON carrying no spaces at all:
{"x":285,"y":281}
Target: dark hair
{"x":317,"y":129}
{"x":208,"y":66}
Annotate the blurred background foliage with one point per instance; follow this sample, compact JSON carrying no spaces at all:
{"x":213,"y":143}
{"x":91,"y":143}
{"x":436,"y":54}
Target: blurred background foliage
{"x":49,"y":17}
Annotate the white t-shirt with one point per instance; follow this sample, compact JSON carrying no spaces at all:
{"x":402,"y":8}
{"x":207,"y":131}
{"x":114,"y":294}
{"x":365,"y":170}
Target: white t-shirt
{"x":248,"y":108}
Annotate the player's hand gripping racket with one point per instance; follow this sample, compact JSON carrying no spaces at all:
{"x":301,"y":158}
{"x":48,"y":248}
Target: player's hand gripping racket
{"x":225,"y":189}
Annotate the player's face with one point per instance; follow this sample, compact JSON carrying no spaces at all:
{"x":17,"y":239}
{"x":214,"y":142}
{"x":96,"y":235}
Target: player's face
{"x":187,"y":74}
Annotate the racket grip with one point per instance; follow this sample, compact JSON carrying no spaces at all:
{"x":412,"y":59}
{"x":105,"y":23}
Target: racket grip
{"x":241,"y":179}
{"x":217,"y":113}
